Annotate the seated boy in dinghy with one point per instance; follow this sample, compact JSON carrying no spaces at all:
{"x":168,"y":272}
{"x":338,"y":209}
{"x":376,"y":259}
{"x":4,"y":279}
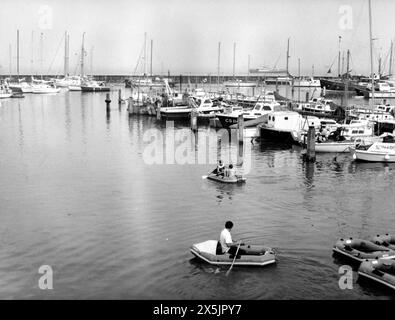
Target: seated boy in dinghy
{"x":225,"y":244}
{"x":230,"y":172}
{"x":219,"y":171}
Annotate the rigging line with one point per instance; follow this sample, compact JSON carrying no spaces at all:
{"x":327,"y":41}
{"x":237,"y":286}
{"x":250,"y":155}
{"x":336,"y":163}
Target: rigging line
{"x":139,"y":60}
{"x":57,"y":50}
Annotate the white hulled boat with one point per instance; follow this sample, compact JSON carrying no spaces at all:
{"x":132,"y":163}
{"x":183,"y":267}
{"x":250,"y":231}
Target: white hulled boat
{"x":379,"y":151}
{"x":307,"y":83}
{"x":260,"y":109}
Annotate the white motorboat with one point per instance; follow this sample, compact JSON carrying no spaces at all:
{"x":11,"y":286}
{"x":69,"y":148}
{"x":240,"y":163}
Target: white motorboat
{"x":204,"y":105}
{"x":260,"y":109}
{"x":379,"y":151}
{"x":307,"y":83}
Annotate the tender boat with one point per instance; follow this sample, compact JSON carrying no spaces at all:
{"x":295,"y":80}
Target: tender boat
{"x":385,"y":240}
{"x":381,"y":271}
{"x":359,"y":250}
{"x":255,"y":255}
{"x":223,"y":179}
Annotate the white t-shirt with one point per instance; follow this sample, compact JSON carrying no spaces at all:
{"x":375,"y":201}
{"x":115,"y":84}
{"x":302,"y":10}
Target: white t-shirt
{"x":225,"y":238}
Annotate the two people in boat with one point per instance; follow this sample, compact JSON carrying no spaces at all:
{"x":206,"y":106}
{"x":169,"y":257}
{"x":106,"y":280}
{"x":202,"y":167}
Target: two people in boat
{"x":221,"y":170}
{"x":226,"y":244}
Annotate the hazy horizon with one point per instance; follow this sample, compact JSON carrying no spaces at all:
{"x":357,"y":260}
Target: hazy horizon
{"x":186,"y":34}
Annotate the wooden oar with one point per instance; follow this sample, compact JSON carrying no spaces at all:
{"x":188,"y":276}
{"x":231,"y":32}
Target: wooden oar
{"x":205,"y":177}
{"x":227,"y":272}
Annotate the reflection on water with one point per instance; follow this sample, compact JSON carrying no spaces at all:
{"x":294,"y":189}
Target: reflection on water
{"x":77,"y":193}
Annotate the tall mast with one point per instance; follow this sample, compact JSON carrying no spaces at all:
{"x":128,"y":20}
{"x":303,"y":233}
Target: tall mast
{"x":92,"y":60}
{"x":379,"y":70}
{"x":17,"y":53}
{"x":145,"y":53}
{"x":82,"y":55}
{"x":32,"y":55}
{"x":371,"y":54}
{"x":41,"y":53}
{"x":10,"y":54}
{"x":66,"y":54}
{"x":347,"y":77}
{"x":287,"y":66}
{"x":390,"y":67}
{"x":219,"y":61}
{"x":152,"y":45}
{"x":338,"y":59}
{"x":299,"y":79}
{"x":234,"y":58}
{"x":248,"y":71}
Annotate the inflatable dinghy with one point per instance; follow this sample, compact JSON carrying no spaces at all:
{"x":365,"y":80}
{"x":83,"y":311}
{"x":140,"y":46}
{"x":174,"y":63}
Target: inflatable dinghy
{"x":255,"y":255}
{"x":360,"y":250}
{"x":235,"y":179}
{"x":385,"y":240}
{"x":381,"y":271}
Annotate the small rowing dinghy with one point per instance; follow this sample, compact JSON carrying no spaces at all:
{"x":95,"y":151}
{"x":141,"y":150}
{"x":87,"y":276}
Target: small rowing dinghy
{"x":385,"y":240}
{"x":360,"y":250}
{"x":381,"y":271}
{"x":220,"y":178}
{"x":254,"y":255}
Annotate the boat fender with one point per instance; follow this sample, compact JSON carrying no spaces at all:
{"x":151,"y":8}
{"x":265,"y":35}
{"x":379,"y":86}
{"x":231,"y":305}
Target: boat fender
{"x":354,"y":156}
{"x":387,"y":157}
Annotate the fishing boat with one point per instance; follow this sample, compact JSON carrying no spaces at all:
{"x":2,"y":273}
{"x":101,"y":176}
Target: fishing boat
{"x":379,"y":270}
{"x":385,"y":240}
{"x":223,"y":179}
{"x":255,"y":255}
{"x":359,"y":250}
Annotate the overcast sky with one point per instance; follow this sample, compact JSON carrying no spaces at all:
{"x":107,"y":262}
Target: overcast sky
{"x":186,"y":33}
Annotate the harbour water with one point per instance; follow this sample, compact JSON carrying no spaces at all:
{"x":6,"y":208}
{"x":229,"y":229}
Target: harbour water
{"x":76,"y":193}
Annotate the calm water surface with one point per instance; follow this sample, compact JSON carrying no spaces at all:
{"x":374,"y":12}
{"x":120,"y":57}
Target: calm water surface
{"x":77,"y":194}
